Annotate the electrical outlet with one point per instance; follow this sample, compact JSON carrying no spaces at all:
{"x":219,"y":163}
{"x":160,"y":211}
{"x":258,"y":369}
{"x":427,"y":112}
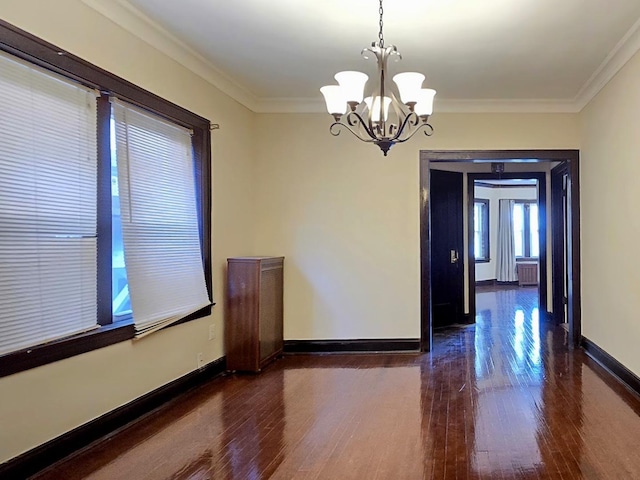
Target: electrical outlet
{"x":212,"y":331}
{"x":200,"y":360}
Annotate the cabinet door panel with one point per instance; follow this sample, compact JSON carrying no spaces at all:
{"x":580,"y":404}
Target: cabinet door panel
{"x":270,"y":312}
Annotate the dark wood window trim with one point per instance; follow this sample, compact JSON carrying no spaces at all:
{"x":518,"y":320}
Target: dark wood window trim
{"x":35,"y":50}
{"x":104,"y":256}
{"x":38,"y":355}
{"x":486,"y":233}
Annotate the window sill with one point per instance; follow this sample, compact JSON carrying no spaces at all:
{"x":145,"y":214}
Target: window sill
{"x":482,"y":260}
{"x":527,"y":259}
{"x":15,"y":362}
{"x":53,"y":351}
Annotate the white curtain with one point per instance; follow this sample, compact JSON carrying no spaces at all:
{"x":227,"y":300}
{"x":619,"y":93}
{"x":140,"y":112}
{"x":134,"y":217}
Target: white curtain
{"x":506,"y":261}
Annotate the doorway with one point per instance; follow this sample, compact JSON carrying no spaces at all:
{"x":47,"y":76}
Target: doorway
{"x":566,"y":158}
{"x":528,"y":224}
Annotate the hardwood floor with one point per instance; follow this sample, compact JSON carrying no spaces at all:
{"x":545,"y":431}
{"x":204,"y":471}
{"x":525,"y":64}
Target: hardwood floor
{"x":504,"y":399}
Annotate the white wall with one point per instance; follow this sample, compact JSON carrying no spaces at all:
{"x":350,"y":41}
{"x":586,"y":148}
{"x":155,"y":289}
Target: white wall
{"x":610,"y":221}
{"x":347,"y":219}
{"x":42,"y":403}
{"x":487,"y":271}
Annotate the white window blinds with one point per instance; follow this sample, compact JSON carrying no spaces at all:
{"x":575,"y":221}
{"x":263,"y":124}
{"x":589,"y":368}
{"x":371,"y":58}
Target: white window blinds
{"x":47,"y":206}
{"x":159,"y":218}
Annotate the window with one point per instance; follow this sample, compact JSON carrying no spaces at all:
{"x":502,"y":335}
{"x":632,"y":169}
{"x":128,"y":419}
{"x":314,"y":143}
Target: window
{"x":158,"y":213}
{"x":121,"y":301}
{"x":103,"y":205}
{"x":525,"y":229}
{"x":481,"y":230}
{"x":48,"y":191}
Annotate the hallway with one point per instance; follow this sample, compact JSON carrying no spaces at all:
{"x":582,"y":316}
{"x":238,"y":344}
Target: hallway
{"x":503,"y":399}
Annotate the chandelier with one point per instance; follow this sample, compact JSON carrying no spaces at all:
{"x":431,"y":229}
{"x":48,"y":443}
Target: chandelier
{"x":380,"y":118}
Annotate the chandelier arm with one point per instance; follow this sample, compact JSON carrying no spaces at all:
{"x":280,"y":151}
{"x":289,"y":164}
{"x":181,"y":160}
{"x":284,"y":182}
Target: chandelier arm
{"x":411,"y":119}
{"x":428,"y":131}
{"x":359,"y":120}
{"x":334,"y":129}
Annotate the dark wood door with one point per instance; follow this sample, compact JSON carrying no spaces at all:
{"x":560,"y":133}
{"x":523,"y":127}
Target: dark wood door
{"x":447,"y":270}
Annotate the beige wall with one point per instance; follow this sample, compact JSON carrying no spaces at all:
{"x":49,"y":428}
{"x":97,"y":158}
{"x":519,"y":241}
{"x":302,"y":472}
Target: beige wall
{"x":347,"y":219}
{"x":45,"y":402}
{"x":610,"y":222}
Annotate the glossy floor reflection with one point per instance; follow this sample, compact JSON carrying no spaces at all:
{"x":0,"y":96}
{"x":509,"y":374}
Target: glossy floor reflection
{"x":499,"y":400}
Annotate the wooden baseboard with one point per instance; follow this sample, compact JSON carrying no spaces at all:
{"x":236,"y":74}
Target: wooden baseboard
{"x":613,"y":366}
{"x":359,"y":345}
{"x":55,"y":450}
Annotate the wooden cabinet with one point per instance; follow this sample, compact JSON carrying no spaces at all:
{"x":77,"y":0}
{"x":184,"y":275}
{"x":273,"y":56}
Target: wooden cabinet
{"x":253,"y":326}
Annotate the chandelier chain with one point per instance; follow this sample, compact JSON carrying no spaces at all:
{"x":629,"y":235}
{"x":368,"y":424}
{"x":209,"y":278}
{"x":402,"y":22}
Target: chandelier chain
{"x":380,"y":36}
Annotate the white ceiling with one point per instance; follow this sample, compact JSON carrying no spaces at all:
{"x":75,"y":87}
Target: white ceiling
{"x":538,"y":55}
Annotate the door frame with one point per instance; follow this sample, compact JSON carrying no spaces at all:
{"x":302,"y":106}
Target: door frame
{"x":541,"y":177}
{"x":558,"y":215}
{"x":571,"y":157}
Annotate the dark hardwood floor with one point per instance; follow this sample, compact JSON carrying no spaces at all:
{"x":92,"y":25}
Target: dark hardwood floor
{"x":504,"y":399}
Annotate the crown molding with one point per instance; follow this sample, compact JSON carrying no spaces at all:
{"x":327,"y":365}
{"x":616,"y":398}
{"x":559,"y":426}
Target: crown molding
{"x":131,"y":19}
{"x":313,"y":105}
{"x":624,"y":50}
{"x":137,"y":23}
{"x":291,"y":105}
{"x":496,"y":105}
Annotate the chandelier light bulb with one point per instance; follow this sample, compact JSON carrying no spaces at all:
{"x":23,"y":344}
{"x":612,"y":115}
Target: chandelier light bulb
{"x":374,"y":108}
{"x":409,"y":85}
{"x":352,"y":84}
{"x":424,"y":106}
{"x":335,"y":100}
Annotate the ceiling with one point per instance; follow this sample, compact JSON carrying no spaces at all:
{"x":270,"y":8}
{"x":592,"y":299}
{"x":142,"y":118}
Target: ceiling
{"x":509,"y":55}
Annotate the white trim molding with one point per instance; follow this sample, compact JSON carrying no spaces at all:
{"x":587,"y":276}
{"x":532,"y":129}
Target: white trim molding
{"x":312,"y":105}
{"x":625,"y":49}
{"x":497,"y":105}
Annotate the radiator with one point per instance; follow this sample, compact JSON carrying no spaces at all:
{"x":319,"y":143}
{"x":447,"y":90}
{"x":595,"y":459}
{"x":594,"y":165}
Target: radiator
{"x":527,"y":274}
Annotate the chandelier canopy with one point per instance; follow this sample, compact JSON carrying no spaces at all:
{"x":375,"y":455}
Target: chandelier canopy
{"x":380,"y":118}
